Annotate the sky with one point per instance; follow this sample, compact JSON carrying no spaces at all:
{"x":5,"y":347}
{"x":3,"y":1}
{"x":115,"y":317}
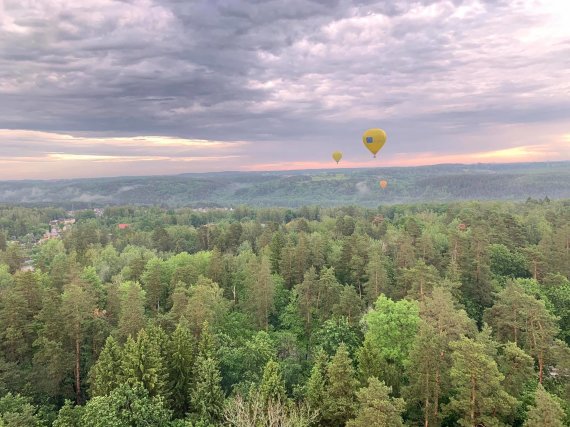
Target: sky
{"x":148,"y":87}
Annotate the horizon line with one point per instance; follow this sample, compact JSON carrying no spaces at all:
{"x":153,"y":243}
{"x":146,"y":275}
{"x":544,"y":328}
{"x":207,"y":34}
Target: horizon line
{"x":332,"y":168}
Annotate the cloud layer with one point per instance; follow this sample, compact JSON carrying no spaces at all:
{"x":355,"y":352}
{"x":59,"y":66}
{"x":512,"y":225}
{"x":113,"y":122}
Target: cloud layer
{"x":268,"y":83}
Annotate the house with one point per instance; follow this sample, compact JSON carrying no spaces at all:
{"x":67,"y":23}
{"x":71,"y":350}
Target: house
{"x":124,"y":226}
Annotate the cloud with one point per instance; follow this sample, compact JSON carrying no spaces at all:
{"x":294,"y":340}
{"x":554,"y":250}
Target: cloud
{"x":295,"y":80}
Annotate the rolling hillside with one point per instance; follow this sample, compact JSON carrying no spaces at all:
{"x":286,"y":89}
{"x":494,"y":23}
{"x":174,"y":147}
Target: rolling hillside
{"x":295,"y":188}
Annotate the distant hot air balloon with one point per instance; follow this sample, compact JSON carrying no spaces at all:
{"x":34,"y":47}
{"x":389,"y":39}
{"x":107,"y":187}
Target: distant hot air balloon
{"x":337,"y":155}
{"x":374,"y":140}
{"x":383,"y":184}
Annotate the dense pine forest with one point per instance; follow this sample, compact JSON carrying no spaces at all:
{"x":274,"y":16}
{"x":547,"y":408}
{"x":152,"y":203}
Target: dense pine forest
{"x":428,"y":315}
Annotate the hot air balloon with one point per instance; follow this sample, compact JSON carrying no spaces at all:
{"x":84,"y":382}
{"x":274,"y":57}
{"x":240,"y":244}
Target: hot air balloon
{"x":383,"y":184}
{"x":337,"y":155}
{"x":374,"y":140}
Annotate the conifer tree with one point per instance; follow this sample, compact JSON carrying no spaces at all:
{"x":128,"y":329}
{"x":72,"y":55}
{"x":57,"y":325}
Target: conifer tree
{"x":376,"y":408}
{"x":272,"y":387}
{"x":327,"y":294}
{"x":180,"y":364}
{"x":377,"y":278}
{"x":77,"y":309}
{"x":350,"y":305}
{"x":517,"y":367}
{"x":278,"y":241}
{"x":340,"y":398}
{"x":546,"y":411}
{"x":316,"y":388}
{"x":419,"y":280}
{"x":154,"y":285}
{"x":142,"y":363}
{"x":287,"y":265}
{"x":425,"y":369}
{"x":105,"y":375}
{"x":478,"y":395}
{"x":131,"y":316}
{"x":306,"y":299}
{"x":207,"y":396}
{"x":260,"y":293}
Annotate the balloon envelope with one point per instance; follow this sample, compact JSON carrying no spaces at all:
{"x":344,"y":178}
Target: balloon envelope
{"x":337,"y":155}
{"x":374,"y":140}
{"x":383,"y":184}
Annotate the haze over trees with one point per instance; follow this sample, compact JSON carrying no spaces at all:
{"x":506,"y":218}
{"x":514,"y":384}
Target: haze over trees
{"x":332,"y":187}
{"x":436,"y":315}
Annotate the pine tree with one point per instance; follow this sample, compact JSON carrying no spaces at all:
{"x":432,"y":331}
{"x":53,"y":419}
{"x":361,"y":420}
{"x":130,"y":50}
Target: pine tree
{"x":546,"y":411}
{"x":105,"y":375}
{"x":301,"y":258}
{"x":287,"y":265}
{"x":51,"y":361}
{"x":260,"y":293}
{"x":131,"y":316}
{"x":517,"y":367}
{"x":376,"y":408}
{"x":278,"y":241}
{"x":155,"y":288}
{"x":419,"y":280}
{"x":350,"y":305}
{"x":306,"y":299}
{"x":206,"y":303}
{"x":326,"y":294}
{"x":478,"y":395}
{"x":425,"y":370}
{"x":524,"y":320}
{"x":340,"y":399}
{"x":77,"y":309}
{"x":377,"y":278}
{"x":430,"y":357}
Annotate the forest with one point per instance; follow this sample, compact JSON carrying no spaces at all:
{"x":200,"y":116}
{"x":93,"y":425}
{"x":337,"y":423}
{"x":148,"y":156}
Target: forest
{"x":439,"y":314}
{"x":297,"y":188}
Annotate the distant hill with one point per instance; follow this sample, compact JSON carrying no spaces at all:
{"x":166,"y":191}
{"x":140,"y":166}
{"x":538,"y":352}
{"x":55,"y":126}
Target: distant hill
{"x":328,"y":187}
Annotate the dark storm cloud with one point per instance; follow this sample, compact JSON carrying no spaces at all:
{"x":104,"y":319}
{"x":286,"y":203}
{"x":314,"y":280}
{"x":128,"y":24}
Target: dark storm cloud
{"x":278,"y":73}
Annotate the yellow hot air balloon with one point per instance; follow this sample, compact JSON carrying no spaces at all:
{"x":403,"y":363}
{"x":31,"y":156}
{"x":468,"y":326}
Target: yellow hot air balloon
{"x":374,"y":140}
{"x":383,"y":184}
{"x":337,"y":155}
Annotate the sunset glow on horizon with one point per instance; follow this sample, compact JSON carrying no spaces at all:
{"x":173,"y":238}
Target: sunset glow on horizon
{"x":156,"y":87}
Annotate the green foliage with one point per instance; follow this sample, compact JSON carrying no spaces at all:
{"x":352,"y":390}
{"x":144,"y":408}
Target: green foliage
{"x":142,"y":364}
{"x":546,"y":411}
{"x":207,"y":396}
{"x":272,"y":386}
{"x":69,"y":416}
{"x":340,"y":397}
{"x":390,"y":331}
{"x":18,"y":411}
{"x":376,"y":408}
{"x":185,"y":307}
{"x":506,"y":263}
{"x":316,"y":387}
{"x":180,"y":366}
{"x":105,"y":375}
{"x":128,"y":405}
{"x":336,"y":331}
{"x":478,"y":395}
